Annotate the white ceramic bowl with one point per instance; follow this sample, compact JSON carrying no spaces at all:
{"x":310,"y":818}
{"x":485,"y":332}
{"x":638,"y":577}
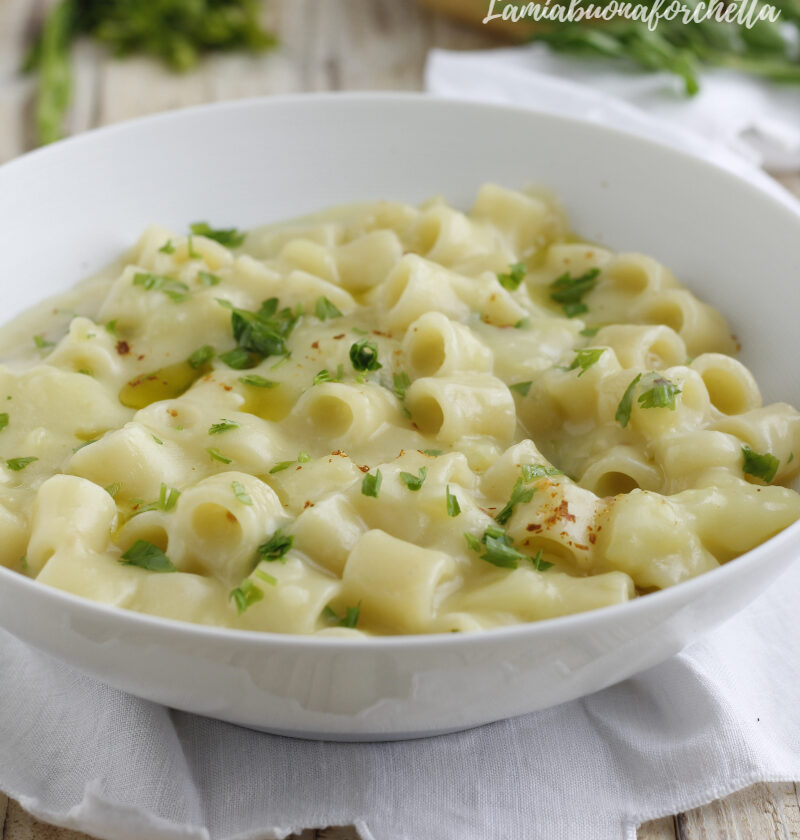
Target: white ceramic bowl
{"x":66,"y":210}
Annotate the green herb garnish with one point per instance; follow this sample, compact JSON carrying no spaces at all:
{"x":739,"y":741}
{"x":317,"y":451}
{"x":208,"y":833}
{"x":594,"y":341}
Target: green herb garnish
{"x":245,"y":595}
{"x":276,"y":547}
{"x":584,"y":359}
{"x":519,"y":495}
{"x":324,"y":309}
{"x":167,"y":247}
{"x":223,"y":426}
{"x":256,"y":381}
{"x":42,"y":343}
{"x":570,"y":291}
{"x":4,"y":421}
{"x":516,"y":274}
{"x":145,"y":555}
{"x":660,"y":394}
{"x":208,"y":279}
{"x":763,"y":466}
{"x":201,"y":357}
{"x":17,"y":464}
{"x":229,"y":237}
{"x":260,"y":334}
{"x":240,"y":493}
{"x":498,"y":548}
{"x":371,"y":484}
{"x":364,"y":355}
{"x":218,"y":456}
{"x":176,"y":291}
{"x":453,"y":507}
{"x":521,"y":388}
{"x":414,"y":482}
{"x":530,"y":472}
{"x":539,"y":564}
{"x":625,"y":406}
{"x":349,"y":619}
{"x":401,"y":384}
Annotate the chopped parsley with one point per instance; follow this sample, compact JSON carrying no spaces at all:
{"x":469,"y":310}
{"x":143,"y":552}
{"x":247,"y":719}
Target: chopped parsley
{"x":276,"y":547}
{"x":453,"y":507}
{"x":262,"y":575}
{"x":176,"y":291}
{"x":522,"y":324}
{"x":349,"y":619}
{"x":223,"y":426}
{"x":661,"y":394}
{"x":241,"y":494}
{"x":414,"y":482}
{"x":570,"y":291}
{"x":539,"y":564}
{"x":324,"y":309}
{"x":111,"y":327}
{"x":401,"y":384}
{"x":4,"y":420}
{"x":323,"y":376}
{"x":516,"y":274}
{"x":521,"y":388}
{"x":201,"y":356}
{"x":303,"y":458}
{"x":145,"y":555}
{"x":519,"y":495}
{"x":281,"y":466}
{"x":17,"y":464}
{"x":584,"y":359}
{"x":167,"y":499}
{"x":237,"y":359}
{"x":371,"y":484}
{"x":157,"y":440}
{"x":208,"y":279}
{"x":256,"y":381}
{"x":113,"y":489}
{"x":589,"y":332}
{"x":193,"y":255}
{"x":498,"y":548}
{"x":42,"y":343}
{"x":759,"y":466}
{"x":245,"y":595}
{"x":625,"y":406}
{"x":259,"y":334}
{"x":218,"y":456}
{"x":434,"y":453}
{"x":23,"y":562}
{"x":229,"y":237}
{"x":364,"y":355}
{"x":167,"y":247}
{"x":530,"y":472}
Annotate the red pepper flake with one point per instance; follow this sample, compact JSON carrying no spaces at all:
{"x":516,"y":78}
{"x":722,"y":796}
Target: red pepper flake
{"x":341,"y":335}
{"x":123,"y":348}
{"x":533,"y":526}
{"x":315,"y":345}
{"x":308,"y":504}
{"x":363,"y":469}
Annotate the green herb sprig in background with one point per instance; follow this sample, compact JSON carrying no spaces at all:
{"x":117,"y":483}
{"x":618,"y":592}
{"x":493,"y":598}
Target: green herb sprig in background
{"x":178,"y":32}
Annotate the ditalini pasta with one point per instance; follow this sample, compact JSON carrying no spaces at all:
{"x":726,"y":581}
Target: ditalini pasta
{"x":383,"y":419}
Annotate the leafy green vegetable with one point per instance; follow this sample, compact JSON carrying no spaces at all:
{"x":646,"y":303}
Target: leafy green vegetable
{"x":176,"y":291}
{"x":281,"y":466}
{"x":521,"y":388}
{"x":498,"y":548}
{"x":42,"y":343}
{"x":324,"y":309}
{"x":262,"y":575}
{"x":539,"y":564}
{"x":530,"y":472}
{"x":516,"y":274}
{"x":17,"y":464}
{"x":570,"y":291}
{"x":238,"y":359}
{"x":176,"y":31}
{"x":167,"y":247}
{"x":625,"y":406}
{"x":349,"y":619}
{"x":371,"y":484}
{"x":434,"y":453}
{"x":401,"y":384}
{"x":167,"y":499}
{"x":590,"y":332}
{"x":660,"y":394}
{"x":145,"y":555}
{"x":256,"y":381}
{"x":276,"y":547}
{"x":414,"y":482}
{"x":584,"y":359}
{"x":364,"y":355}
{"x":4,"y":420}
{"x":453,"y":507}
{"x":303,"y":457}
{"x":760,"y":466}
{"x":218,"y":456}
{"x":241,"y":494}
{"x":201,"y":356}
{"x":323,"y":376}
{"x":229,"y":237}
{"x":261,"y":333}
{"x":223,"y":426}
{"x":208,"y":279}
{"x":519,"y":495}
{"x":245,"y":595}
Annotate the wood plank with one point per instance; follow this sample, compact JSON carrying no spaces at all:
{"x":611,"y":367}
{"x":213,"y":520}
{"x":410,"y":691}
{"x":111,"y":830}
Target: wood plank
{"x":664,"y":829}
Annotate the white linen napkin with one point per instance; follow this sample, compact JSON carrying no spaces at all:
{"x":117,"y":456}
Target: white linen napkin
{"x":714,"y":719}
{"x":719,"y":716}
{"x":753,"y":118}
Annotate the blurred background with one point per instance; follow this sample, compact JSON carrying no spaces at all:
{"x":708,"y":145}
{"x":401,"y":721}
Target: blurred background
{"x":70,"y":65}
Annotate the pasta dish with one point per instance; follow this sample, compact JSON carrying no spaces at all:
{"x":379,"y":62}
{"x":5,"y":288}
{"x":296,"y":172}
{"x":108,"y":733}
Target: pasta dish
{"x":383,"y":419}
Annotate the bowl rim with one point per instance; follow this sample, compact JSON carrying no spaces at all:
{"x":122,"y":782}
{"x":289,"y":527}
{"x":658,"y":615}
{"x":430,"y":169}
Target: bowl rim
{"x":680,"y":592}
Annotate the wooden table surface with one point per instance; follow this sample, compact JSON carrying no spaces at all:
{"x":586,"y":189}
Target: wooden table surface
{"x":324,"y":45}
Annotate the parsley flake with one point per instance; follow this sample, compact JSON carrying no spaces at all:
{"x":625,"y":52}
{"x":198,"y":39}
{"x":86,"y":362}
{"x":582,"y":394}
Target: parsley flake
{"x":4,"y":421}
{"x":401,"y":384}
{"x":241,"y":494}
{"x":521,"y":388}
{"x":414,"y":482}
{"x":245,"y":595}
{"x":229,"y":237}
{"x":17,"y":464}
{"x":530,"y":472}
{"x":256,"y":381}
{"x":147,"y":556}
{"x":42,"y":343}
{"x":434,"y":453}
{"x":238,"y":359}
{"x":498,"y":548}
{"x":584,"y":359}
{"x":364,"y":355}
{"x":625,"y":406}
{"x":206,"y":278}
{"x":281,"y":466}
{"x":453,"y":507}
{"x":569,"y":291}
{"x":759,"y":466}
{"x":262,"y":575}
{"x":539,"y":564}
{"x":516,"y":274}
{"x":176,"y":291}
{"x":167,"y":247}
{"x":661,"y":394}
{"x":323,"y":376}
{"x":324,"y":309}
{"x":218,"y":456}
{"x":589,"y":332}
{"x":519,"y":495}
{"x":349,"y":619}
{"x":202,"y":356}
{"x":223,"y":426}
{"x":263,"y":333}
{"x":371,"y":484}
{"x":276,"y":547}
